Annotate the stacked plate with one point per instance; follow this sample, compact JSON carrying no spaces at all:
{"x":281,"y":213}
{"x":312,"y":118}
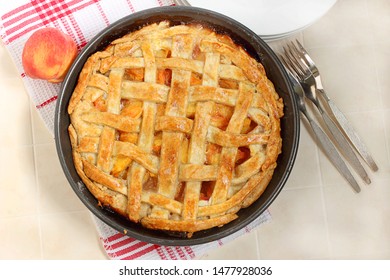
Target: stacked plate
{"x":270,"y":19}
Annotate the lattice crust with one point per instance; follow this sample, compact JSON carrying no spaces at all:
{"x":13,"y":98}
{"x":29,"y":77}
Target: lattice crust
{"x":175,"y":127}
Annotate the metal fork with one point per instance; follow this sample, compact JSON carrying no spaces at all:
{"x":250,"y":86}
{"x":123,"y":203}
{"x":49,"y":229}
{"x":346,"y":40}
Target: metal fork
{"x":322,"y":138}
{"x":339,"y":116}
{"x":308,"y":83}
{"x":181,"y":3}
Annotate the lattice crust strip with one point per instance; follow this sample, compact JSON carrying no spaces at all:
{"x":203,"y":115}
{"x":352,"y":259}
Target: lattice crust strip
{"x":175,"y":127}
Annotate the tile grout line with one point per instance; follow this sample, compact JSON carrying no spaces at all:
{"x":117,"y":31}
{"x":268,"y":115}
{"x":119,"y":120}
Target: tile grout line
{"x":258,"y":250}
{"x":311,"y":186}
{"x":381,"y":94}
{"x":386,"y":135}
{"x":324,"y":208}
{"x":97,"y":236}
{"x":43,"y":215}
{"x":37,"y":184}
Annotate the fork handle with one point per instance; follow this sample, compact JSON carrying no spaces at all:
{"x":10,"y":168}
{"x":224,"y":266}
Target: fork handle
{"x":350,"y":131}
{"x":333,"y":155}
{"x":345,"y":147}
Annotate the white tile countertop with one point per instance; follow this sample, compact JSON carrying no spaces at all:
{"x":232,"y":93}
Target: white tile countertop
{"x":316,"y":216}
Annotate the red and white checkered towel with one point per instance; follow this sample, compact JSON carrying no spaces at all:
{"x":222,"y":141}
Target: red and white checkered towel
{"x":119,"y":246}
{"x":82,"y":20}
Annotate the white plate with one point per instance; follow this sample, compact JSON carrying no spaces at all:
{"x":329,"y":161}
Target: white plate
{"x":270,"y":17}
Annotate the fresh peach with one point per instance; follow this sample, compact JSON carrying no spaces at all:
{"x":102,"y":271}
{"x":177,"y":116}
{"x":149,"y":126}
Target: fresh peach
{"x":48,"y":54}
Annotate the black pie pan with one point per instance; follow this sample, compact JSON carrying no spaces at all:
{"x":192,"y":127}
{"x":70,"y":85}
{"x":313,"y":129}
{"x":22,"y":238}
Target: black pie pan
{"x":255,"y":47}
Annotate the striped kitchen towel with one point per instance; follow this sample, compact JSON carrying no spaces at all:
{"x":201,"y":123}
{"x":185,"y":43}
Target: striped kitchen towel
{"x":121,"y":247}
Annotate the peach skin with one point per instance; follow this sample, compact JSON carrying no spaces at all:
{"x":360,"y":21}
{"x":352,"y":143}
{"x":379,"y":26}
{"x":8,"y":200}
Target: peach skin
{"x":48,"y":54}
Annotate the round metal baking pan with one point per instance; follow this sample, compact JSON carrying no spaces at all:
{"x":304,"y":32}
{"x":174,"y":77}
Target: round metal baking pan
{"x":255,"y":47}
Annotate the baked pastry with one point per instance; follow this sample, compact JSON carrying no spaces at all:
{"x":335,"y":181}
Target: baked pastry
{"x":175,"y":127}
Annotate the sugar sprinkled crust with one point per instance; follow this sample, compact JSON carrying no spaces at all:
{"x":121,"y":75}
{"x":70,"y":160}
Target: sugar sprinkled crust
{"x":175,"y":127}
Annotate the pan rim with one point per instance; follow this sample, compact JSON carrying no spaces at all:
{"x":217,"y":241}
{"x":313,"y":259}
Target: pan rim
{"x":61,"y":105}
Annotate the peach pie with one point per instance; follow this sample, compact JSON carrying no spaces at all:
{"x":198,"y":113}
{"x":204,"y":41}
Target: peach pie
{"x":175,"y":127}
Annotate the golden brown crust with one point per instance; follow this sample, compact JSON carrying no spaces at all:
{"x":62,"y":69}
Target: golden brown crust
{"x":176,"y":128}
{"x":187,"y":225}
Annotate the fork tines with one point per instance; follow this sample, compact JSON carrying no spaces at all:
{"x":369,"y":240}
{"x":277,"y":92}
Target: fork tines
{"x":299,"y":62}
{"x":293,"y":62}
